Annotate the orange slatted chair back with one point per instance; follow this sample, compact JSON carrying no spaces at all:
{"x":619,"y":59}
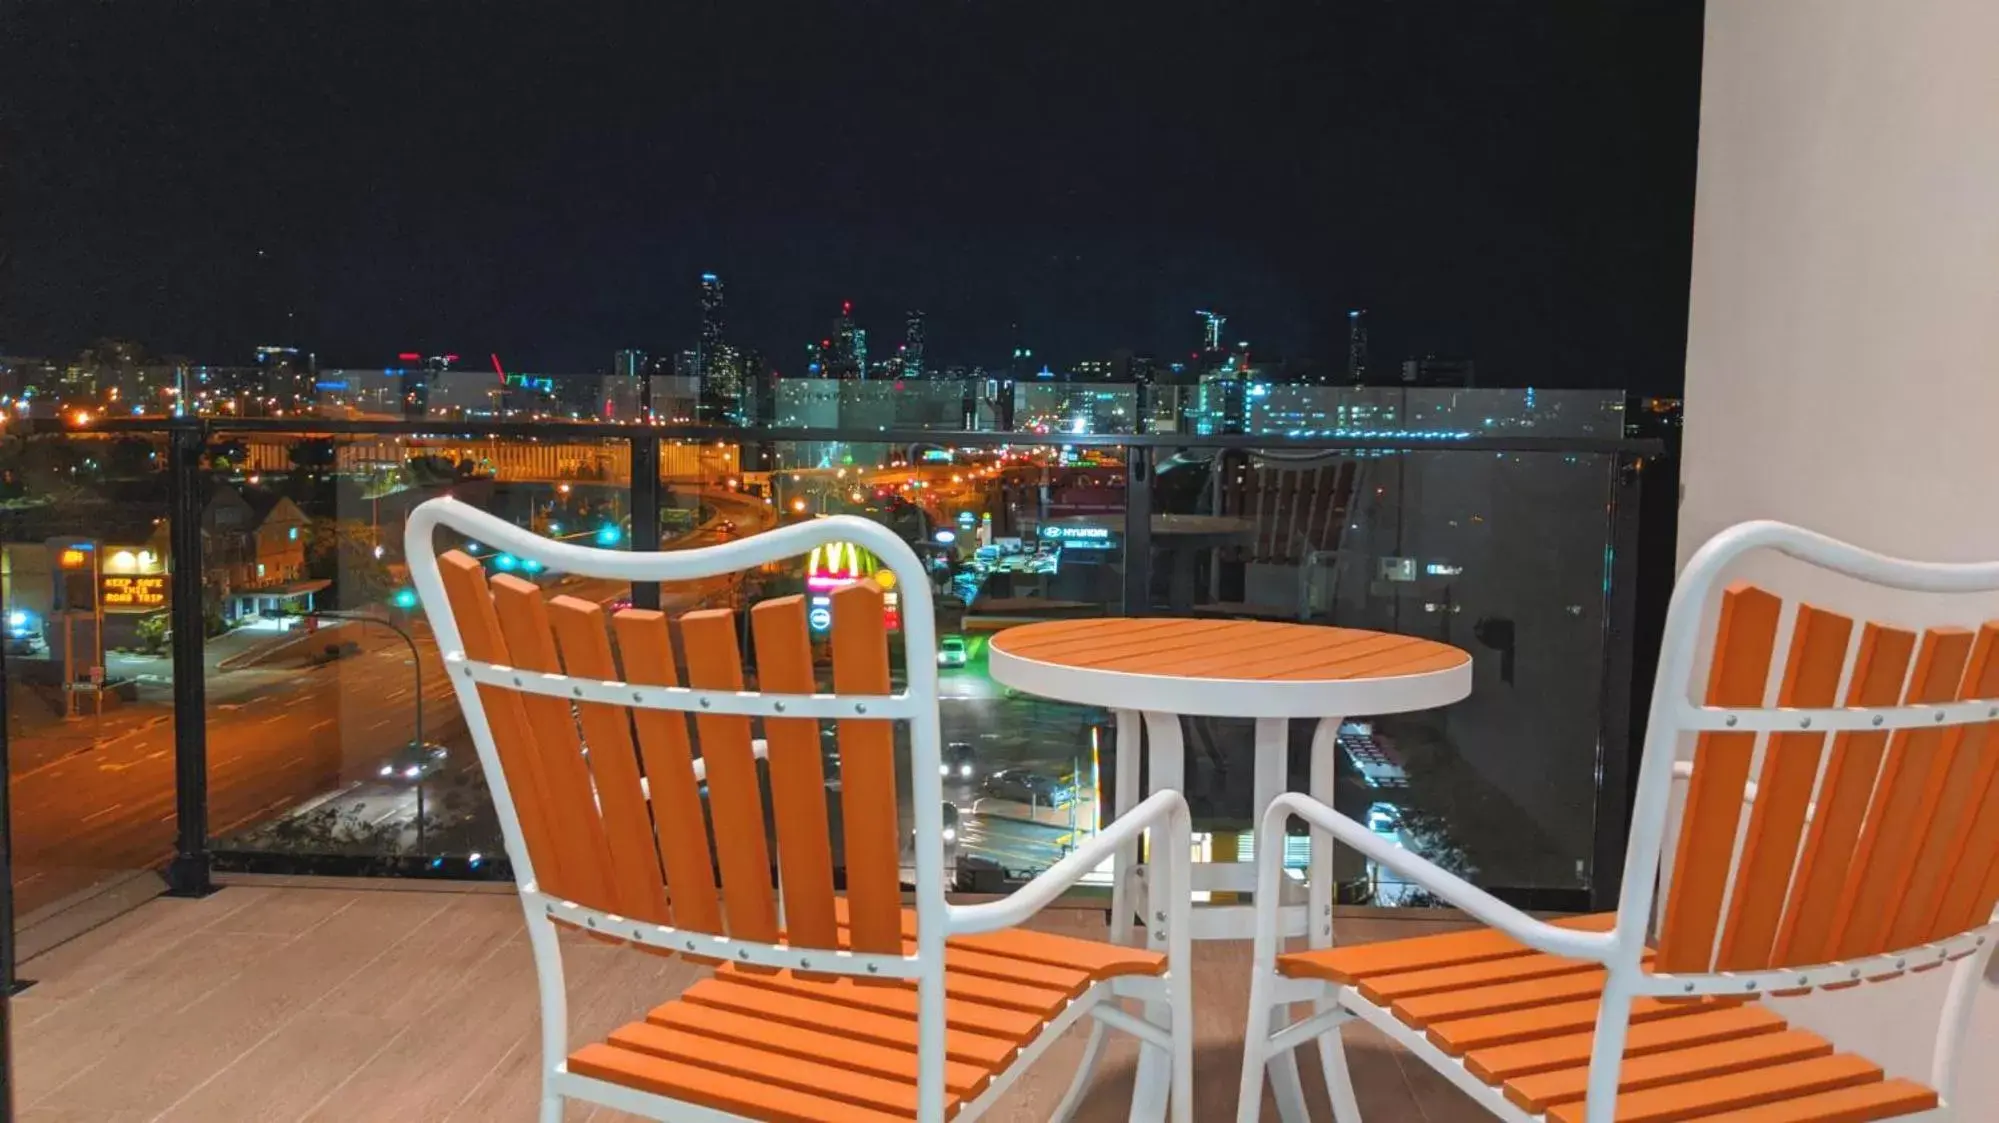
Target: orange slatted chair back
{"x":611,"y":810}
{"x":1858,"y":843}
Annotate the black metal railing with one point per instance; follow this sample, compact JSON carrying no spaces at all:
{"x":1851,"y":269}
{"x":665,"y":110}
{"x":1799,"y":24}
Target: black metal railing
{"x":1621,"y":489}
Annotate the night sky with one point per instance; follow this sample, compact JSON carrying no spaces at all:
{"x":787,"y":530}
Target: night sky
{"x":1507,"y":181}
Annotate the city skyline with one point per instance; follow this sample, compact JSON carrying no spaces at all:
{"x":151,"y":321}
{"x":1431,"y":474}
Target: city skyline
{"x":1514,"y":185}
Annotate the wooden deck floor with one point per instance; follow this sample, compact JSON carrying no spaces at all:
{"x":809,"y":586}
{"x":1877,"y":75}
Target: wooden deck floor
{"x":340,"y":1002}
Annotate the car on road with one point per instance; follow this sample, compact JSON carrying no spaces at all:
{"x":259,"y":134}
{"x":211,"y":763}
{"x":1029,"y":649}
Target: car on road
{"x":1024,"y":785}
{"x":949,"y":835}
{"x":414,"y":762}
{"x":334,"y":652}
{"x":958,"y":760}
{"x":951,"y":651}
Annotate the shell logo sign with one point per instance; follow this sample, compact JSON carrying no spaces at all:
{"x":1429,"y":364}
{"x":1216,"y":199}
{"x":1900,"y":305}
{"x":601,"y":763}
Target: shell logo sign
{"x":835,"y":565}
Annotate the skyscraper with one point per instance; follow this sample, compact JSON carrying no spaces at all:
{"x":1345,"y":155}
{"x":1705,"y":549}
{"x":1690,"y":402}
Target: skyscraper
{"x":1212,"y":324}
{"x":1357,"y":346}
{"x":849,"y":346}
{"x":711,"y":321}
{"x":912,"y":345}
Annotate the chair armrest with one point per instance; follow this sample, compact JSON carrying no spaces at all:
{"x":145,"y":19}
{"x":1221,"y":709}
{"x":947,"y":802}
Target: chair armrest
{"x":1165,"y":810}
{"x":1482,"y":906}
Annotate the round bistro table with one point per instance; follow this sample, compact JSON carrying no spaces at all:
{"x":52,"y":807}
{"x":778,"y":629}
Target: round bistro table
{"x":1151,"y":671}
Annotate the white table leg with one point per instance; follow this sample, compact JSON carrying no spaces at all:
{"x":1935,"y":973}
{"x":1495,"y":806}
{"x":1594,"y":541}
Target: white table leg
{"x":1319,"y":924}
{"x":1325,"y":766}
{"x":1166,"y":759}
{"x":1273,"y":755}
{"x":1125,"y":862}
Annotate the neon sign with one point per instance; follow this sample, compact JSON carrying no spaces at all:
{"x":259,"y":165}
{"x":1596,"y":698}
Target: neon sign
{"x":834,"y":565}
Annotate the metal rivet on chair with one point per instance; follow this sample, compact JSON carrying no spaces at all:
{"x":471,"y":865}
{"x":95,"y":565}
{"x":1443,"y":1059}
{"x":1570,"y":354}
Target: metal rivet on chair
{"x":1804,"y":980}
{"x":778,"y":706}
{"x":591,"y":921}
{"x":576,"y":690}
{"x":1879,"y":720}
{"x":705,"y":703}
{"x":690,"y":945}
{"x":637,"y":697}
{"x":517,"y":680}
{"x":1804,"y":723}
{"x":743,"y":954}
{"x":805,"y":965}
{"x":1853,"y":974}
{"x":874,"y":969}
{"x":860,"y":707}
{"x":1750,"y":985}
{"x":1901,"y":963}
{"x":637,"y":934}
{"x":1160,"y":917}
{"x":1729,"y":721}
{"x":1689,"y":988}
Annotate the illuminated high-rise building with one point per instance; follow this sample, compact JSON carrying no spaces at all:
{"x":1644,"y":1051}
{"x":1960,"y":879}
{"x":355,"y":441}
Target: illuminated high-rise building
{"x":711,"y":320}
{"x":912,"y":345}
{"x":1212,"y":324}
{"x":1357,"y":346}
{"x":848,"y":347}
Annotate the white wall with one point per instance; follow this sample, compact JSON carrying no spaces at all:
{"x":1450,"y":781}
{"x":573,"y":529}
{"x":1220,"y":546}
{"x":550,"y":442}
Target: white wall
{"x":1843,"y":343}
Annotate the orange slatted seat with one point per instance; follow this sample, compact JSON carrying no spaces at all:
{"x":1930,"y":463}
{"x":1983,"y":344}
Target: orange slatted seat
{"x":1523,"y":1021}
{"x":847,"y":1048}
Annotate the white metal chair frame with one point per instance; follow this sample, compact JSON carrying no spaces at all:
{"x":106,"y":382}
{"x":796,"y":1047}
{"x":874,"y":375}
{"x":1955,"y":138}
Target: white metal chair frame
{"x":1167,"y":997}
{"x":1673,"y":714}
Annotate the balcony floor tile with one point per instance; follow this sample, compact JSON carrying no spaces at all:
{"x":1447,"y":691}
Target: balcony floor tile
{"x":294,"y":1003}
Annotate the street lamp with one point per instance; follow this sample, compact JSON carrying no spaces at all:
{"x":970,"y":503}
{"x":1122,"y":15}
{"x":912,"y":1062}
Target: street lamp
{"x":416,"y":670}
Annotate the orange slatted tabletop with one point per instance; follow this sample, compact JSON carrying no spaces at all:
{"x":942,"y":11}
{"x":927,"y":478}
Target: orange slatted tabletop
{"x":1152,"y":670}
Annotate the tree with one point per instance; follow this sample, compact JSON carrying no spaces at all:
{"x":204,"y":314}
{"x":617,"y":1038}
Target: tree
{"x":130,"y":458}
{"x":152,"y":633}
{"x":312,"y":454}
{"x":343,"y":551}
{"x":226,"y":454}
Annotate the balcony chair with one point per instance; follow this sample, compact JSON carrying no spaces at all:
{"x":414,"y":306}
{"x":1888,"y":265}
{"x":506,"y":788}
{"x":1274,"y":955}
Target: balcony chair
{"x":820,"y":1007}
{"x":1887,"y":866}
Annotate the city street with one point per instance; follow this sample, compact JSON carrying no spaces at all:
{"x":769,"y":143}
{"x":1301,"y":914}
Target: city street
{"x":295,"y":750}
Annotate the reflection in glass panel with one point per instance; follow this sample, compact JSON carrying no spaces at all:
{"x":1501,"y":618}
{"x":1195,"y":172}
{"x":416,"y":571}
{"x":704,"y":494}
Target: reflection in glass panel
{"x":332,"y":731}
{"x":1502,"y":555}
{"x":84,"y":560}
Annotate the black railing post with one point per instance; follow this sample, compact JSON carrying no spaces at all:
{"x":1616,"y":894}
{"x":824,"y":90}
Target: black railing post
{"x":1618,"y":732}
{"x":645,"y":509}
{"x":8,"y":984}
{"x":1137,"y":531}
{"x":188,"y":873}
